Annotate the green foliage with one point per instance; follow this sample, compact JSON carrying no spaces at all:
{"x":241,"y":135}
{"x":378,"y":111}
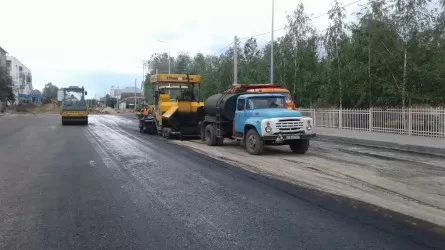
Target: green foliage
{"x":50,"y":91}
{"x":394,"y":55}
{"x":148,"y":90}
{"x":110,"y":101}
{"x":6,"y":86}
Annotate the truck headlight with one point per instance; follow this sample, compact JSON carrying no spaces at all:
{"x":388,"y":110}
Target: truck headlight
{"x":268,"y":128}
{"x":309,"y":125}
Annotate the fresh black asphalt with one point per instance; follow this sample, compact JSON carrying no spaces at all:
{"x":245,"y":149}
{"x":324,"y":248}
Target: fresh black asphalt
{"x":106,"y":186}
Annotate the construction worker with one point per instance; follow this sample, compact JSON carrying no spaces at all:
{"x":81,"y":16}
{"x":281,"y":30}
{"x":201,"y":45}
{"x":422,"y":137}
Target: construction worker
{"x":147,"y":111}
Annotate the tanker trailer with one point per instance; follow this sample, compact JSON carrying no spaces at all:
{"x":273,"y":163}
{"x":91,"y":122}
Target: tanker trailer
{"x":218,"y":121}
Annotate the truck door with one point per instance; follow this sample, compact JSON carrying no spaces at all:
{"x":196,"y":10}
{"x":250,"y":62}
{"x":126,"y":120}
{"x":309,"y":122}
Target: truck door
{"x":240,"y":115}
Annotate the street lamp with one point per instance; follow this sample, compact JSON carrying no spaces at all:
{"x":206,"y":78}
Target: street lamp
{"x":144,"y":64}
{"x":168,"y":54}
{"x":271,"y":45}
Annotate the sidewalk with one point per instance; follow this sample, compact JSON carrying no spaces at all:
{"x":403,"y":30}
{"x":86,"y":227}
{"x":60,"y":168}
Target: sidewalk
{"x":420,"y":144}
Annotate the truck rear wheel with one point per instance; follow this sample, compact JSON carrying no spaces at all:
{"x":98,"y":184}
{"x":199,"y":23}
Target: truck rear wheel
{"x":151,"y":128}
{"x":254,"y":143}
{"x":141,"y":126}
{"x":166,"y":133}
{"x":220,"y":141}
{"x":299,"y":146}
{"x":210,"y":136}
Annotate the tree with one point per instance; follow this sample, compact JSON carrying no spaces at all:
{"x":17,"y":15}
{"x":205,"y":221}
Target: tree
{"x":6,"y":86}
{"x":411,"y":18}
{"x":159,"y":62}
{"x":183,"y":63}
{"x":50,"y":91}
{"x":393,"y":55}
{"x":148,"y":90}
{"x":110,"y":101}
{"x":335,"y":40}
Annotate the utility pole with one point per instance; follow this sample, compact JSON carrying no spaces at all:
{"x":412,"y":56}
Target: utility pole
{"x":235,"y":61}
{"x":135,"y":94}
{"x":271,"y":46}
{"x":143,"y":77}
{"x":116,"y":93}
{"x":169,"y":59}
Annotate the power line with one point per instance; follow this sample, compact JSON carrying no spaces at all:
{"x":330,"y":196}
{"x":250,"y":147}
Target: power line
{"x":266,"y":33}
{"x":228,"y":45}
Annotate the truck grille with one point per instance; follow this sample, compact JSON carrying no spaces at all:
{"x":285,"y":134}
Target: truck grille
{"x":287,"y":125}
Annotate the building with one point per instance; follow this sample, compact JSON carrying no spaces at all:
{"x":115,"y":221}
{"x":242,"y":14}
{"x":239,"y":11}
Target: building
{"x":126,"y":97}
{"x":36,"y":96}
{"x":21,"y":77}
{"x":3,"y":56}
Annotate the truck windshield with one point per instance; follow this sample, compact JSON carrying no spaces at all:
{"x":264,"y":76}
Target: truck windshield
{"x":176,"y":90}
{"x":265,"y":102}
{"x":74,"y":98}
{"x":287,"y":96}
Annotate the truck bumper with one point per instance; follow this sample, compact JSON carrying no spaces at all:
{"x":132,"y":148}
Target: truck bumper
{"x":74,"y":118}
{"x":288,"y":137}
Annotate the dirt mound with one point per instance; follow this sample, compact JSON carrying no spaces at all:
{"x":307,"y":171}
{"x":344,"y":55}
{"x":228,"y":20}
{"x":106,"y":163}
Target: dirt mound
{"x":47,"y":108}
{"x":26,"y":108}
{"x":108,"y":110}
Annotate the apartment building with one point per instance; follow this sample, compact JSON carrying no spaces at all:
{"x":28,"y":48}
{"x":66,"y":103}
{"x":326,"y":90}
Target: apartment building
{"x":3,"y":56}
{"x":22,"y":78}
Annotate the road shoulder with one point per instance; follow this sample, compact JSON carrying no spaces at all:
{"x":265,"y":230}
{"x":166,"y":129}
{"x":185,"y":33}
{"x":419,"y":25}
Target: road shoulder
{"x":389,"y":197}
{"x":409,"y":143}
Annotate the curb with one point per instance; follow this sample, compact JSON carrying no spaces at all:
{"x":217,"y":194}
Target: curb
{"x":386,"y":145}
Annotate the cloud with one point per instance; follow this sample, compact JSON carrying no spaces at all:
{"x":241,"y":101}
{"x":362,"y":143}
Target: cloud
{"x":62,"y":39}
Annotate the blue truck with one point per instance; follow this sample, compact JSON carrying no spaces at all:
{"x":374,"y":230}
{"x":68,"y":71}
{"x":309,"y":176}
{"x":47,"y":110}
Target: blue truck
{"x":255,"y":120}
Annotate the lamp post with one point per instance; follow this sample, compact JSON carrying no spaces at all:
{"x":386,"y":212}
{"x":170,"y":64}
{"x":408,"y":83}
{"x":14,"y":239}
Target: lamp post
{"x":271,"y":45}
{"x":144,"y":64}
{"x":168,"y":54}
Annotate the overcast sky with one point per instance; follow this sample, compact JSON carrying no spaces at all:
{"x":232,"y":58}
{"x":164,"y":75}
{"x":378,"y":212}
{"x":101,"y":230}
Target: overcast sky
{"x":97,"y":43}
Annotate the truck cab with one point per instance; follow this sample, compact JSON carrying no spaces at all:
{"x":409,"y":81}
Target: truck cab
{"x":264,"y":119}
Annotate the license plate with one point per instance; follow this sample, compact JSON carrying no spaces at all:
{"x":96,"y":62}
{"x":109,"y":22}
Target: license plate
{"x":292,"y":137}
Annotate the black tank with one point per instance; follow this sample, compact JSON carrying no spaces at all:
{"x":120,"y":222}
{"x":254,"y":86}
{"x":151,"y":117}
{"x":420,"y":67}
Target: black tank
{"x":227,"y":105}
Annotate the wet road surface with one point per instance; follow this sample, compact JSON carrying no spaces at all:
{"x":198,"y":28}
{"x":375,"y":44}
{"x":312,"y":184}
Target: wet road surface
{"x":107,"y":186}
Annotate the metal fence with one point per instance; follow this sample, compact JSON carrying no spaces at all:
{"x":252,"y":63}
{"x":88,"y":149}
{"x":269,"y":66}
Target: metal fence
{"x":410,"y":121}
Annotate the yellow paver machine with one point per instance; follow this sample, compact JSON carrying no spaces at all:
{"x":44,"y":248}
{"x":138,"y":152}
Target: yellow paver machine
{"x":74,"y":109}
{"x":177,"y":108}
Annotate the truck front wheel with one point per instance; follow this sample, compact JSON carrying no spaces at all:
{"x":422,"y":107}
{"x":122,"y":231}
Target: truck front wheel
{"x":210,"y":136}
{"x":299,"y":146}
{"x":254,"y":143}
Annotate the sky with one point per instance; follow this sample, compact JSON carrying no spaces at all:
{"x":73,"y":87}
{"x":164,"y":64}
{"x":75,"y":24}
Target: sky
{"x":100,"y":43}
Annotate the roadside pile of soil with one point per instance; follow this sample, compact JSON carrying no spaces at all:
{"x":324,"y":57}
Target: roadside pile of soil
{"x":47,"y":108}
{"x":26,"y":108}
{"x":108,"y":110}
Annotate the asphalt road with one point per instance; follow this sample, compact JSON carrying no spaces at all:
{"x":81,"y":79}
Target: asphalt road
{"x":108,"y":186}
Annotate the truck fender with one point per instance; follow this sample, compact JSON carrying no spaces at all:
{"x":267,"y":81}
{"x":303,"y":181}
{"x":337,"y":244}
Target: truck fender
{"x":254,"y":123}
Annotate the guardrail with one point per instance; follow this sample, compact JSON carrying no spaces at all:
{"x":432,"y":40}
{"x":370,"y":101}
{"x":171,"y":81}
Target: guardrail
{"x":428,"y":122}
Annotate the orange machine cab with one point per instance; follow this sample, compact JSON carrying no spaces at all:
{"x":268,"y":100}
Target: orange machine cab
{"x":264,"y":88}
